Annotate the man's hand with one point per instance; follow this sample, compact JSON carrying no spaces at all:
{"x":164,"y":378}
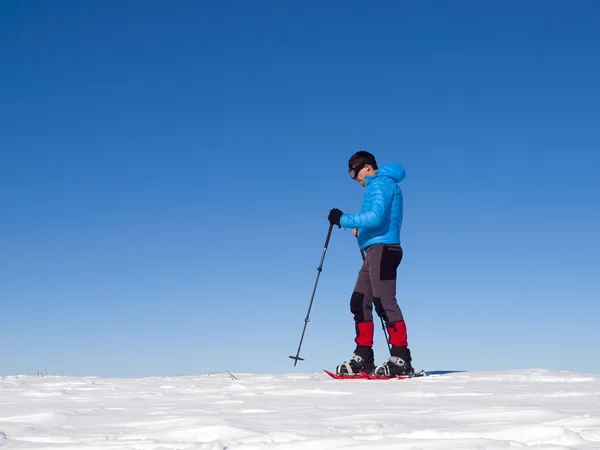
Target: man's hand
{"x":334,"y":216}
{"x":355,"y":232}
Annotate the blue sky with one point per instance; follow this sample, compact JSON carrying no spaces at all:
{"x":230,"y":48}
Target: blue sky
{"x":166,"y":174}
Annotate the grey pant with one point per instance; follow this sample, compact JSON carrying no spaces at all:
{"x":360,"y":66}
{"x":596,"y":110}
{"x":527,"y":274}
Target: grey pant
{"x":376,"y":285}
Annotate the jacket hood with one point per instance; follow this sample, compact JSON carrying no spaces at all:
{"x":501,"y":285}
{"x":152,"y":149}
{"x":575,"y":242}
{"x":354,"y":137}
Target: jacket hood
{"x":393,"y":170}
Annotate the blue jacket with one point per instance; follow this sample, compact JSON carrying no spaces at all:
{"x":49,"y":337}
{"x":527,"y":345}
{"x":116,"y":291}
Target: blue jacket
{"x":380,"y":219}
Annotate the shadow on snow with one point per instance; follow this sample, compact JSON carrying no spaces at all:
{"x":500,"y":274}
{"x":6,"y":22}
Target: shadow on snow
{"x":443,"y":372}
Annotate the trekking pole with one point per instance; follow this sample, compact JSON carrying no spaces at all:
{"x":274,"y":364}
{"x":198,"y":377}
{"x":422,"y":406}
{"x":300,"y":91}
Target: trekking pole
{"x":307,"y":319}
{"x":362,"y":253}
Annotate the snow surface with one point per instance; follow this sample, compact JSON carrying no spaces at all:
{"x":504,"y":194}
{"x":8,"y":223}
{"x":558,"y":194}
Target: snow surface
{"x":478,"y":410}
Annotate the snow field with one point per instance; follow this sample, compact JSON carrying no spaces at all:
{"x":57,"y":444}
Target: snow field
{"x":535,"y":409}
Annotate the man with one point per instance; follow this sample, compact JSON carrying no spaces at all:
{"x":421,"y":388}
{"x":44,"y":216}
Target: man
{"x":377,"y":228}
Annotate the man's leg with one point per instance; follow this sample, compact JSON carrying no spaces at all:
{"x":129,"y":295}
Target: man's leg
{"x":361,"y":306}
{"x":383,"y":272}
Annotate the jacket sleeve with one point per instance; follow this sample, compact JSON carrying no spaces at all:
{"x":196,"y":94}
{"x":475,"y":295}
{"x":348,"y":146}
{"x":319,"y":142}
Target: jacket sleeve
{"x":381,"y":196}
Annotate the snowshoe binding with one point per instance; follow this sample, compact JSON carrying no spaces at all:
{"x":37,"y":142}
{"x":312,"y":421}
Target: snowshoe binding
{"x":395,"y":367}
{"x":360,"y":364}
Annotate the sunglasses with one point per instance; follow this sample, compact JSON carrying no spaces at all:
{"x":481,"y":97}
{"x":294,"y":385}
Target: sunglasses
{"x":354,"y":170}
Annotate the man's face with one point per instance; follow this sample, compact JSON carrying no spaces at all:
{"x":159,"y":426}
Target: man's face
{"x":360,"y":172}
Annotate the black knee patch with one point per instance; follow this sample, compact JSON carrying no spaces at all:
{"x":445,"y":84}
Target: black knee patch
{"x":356,"y":306}
{"x":390,"y":260}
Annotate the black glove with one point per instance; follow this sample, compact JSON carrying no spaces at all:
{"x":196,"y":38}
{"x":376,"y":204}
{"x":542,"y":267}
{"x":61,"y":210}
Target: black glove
{"x":334,"y":216}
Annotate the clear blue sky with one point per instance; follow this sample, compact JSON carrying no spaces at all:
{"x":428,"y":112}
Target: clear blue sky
{"x":166,"y":173}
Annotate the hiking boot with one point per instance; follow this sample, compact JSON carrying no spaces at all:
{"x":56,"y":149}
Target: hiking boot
{"x":394,"y":367}
{"x":362,"y":361}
